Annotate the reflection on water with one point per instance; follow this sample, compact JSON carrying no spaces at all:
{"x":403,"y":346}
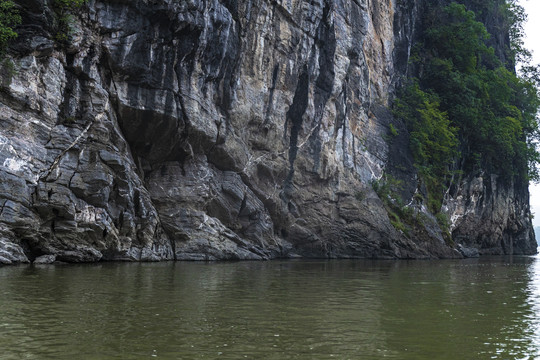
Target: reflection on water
{"x":473,"y":309}
{"x":533,"y":302}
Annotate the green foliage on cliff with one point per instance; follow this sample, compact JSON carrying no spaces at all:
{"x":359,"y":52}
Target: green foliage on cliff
{"x":9,"y":18}
{"x":433,"y":140}
{"x":63,"y":10}
{"x":401,"y":216}
{"x":69,"y":4}
{"x":467,"y":111}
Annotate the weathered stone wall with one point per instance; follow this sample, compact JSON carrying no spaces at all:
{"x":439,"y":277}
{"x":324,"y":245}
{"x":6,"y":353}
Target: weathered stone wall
{"x":216,"y":129}
{"x":491,"y":216}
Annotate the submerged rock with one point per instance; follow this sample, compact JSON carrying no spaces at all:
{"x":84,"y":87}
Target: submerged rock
{"x":468,"y":252}
{"x":45,"y":259}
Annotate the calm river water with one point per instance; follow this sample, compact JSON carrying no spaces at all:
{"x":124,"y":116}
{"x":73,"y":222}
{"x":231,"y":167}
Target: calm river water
{"x":472,"y":309}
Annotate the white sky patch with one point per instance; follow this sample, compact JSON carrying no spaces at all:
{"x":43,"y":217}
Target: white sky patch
{"x":532,"y":42}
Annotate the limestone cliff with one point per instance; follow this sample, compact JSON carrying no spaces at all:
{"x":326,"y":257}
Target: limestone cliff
{"x":220,"y":129}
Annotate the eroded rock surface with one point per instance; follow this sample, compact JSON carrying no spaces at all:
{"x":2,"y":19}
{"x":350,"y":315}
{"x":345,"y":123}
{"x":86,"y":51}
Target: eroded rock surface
{"x":492,"y":217}
{"x":213,"y":130}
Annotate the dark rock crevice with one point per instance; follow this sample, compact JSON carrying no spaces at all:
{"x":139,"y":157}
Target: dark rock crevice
{"x":295,"y":120}
{"x":325,"y":43}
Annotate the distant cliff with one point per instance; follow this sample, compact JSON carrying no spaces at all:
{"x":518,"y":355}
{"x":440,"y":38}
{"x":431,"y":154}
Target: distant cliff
{"x":224,"y":129}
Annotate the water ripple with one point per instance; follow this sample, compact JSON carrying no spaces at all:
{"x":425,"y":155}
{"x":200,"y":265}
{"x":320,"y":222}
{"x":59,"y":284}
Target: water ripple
{"x":472,"y":309}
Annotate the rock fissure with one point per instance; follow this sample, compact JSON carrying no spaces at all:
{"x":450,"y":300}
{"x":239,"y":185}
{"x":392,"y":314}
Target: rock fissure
{"x":295,"y":120}
{"x":46,"y":172}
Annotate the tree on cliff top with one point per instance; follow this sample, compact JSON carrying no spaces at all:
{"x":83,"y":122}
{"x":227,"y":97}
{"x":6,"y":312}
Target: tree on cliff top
{"x":491,"y":109}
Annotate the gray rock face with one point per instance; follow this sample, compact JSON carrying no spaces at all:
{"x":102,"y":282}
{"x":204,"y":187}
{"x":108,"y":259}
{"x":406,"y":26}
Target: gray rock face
{"x":45,"y":259}
{"x":11,"y":253}
{"x":206,"y":130}
{"x":492,"y":217}
{"x":468,"y":252}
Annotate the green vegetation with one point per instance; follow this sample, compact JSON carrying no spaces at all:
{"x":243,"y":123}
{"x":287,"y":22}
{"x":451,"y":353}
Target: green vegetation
{"x":63,"y":10}
{"x":360,"y":195}
{"x":69,"y":4}
{"x":7,"y":71}
{"x":468,"y":111}
{"x":9,"y":18}
{"x":401,"y":216}
{"x":393,"y":131}
{"x":444,"y":224}
{"x":433,"y":140}
{"x":405,"y":218}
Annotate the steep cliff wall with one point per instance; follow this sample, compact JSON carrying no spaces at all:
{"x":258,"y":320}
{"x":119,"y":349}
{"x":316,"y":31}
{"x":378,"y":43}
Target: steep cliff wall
{"x":219,"y":129}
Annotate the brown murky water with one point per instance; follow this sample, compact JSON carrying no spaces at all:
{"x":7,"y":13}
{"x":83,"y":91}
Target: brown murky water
{"x":473,"y":309}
